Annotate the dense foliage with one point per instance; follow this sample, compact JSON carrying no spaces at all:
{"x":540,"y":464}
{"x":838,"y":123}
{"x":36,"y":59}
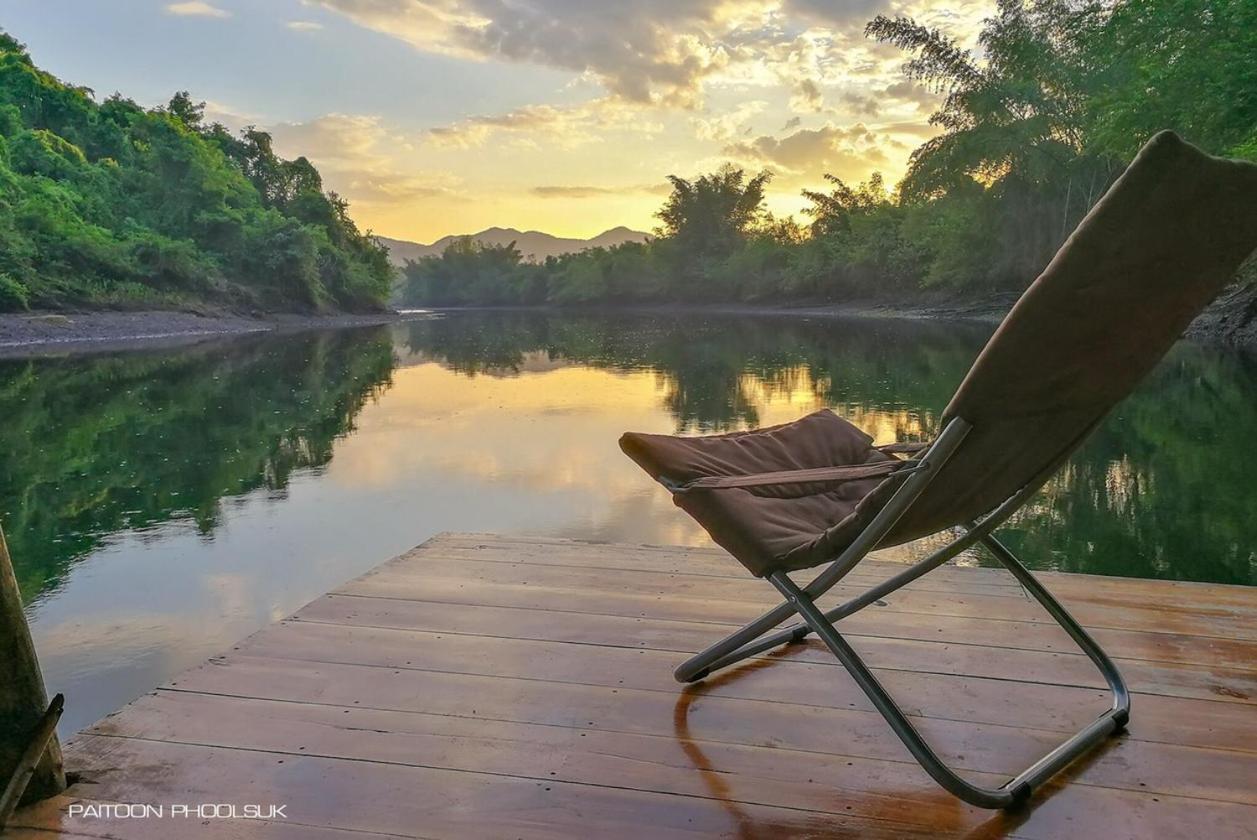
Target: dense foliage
{"x":1030,"y":136}
{"x":110,"y":204}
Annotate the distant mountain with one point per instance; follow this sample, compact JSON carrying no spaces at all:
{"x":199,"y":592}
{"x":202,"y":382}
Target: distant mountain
{"x":533,"y":244}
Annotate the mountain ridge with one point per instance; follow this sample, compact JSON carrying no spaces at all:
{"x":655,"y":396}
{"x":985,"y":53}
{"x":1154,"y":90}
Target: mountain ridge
{"x":533,"y":244}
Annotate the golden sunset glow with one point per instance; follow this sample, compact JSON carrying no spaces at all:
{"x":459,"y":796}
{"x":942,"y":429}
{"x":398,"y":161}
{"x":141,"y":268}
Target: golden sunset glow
{"x":450,"y":116}
{"x":471,"y":429}
{"x":786,"y":85}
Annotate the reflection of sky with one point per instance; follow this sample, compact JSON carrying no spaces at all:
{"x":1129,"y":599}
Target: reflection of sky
{"x":529,"y":453}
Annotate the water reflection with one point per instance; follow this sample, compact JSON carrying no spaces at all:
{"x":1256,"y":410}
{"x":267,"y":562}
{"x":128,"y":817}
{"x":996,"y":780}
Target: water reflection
{"x":1163,"y":489}
{"x":162,"y":504}
{"x":718,"y":373}
{"x":93,"y":447}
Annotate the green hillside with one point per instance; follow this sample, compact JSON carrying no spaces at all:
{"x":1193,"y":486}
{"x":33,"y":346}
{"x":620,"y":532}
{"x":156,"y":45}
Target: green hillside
{"x":111,"y":205}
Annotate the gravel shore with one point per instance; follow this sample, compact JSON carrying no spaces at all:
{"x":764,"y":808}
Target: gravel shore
{"x":38,"y":332}
{"x":1231,"y":320}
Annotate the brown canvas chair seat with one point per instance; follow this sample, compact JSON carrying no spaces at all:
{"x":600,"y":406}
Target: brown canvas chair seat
{"x":1160,"y":244}
{"x":793,"y":525}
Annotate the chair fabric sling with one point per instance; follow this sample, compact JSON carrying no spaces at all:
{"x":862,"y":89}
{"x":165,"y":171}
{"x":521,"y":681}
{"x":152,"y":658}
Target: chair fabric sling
{"x":1153,"y":252}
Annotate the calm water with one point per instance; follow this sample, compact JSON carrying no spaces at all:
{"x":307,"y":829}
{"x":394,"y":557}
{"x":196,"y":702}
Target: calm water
{"x":160,"y":505}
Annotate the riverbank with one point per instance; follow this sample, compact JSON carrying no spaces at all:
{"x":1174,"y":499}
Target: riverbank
{"x":989,"y":310}
{"x":38,"y":332}
{"x":1230,"y":321}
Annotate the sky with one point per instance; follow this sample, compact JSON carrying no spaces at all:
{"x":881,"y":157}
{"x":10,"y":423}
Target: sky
{"x":435,"y":117}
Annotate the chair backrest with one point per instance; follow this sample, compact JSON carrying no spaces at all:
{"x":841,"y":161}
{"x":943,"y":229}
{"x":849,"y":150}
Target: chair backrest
{"x":1156,"y":249}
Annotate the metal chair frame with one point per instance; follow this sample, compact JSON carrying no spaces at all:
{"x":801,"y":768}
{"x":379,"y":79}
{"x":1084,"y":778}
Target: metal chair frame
{"x":801,"y":601}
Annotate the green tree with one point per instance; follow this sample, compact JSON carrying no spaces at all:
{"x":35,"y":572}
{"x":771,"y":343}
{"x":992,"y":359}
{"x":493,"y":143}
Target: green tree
{"x":710,"y":216}
{"x":109,"y":204}
{"x":467,"y":272}
{"x":1189,"y":65}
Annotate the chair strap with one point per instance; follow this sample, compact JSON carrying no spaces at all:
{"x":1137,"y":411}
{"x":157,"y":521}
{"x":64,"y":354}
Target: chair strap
{"x":847,"y":473}
{"x":903,"y":448}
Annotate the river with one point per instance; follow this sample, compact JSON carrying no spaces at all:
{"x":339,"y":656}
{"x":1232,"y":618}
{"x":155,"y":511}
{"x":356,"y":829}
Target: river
{"x":162,"y":504}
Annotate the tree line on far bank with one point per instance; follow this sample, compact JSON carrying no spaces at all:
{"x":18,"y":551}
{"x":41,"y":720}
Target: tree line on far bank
{"x":111,"y":204}
{"x":1030,"y":137}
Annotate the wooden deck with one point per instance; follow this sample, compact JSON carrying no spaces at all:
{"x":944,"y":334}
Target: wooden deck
{"x":490,"y":687}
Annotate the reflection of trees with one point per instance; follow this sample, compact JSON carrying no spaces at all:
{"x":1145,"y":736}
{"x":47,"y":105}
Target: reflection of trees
{"x":1165,"y":487}
{"x":715,"y":370}
{"x":1162,"y":489}
{"x":91,"y":446}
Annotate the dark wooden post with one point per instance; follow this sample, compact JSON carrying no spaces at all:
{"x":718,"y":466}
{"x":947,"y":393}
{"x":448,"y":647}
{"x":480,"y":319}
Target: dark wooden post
{"x":23,"y":700}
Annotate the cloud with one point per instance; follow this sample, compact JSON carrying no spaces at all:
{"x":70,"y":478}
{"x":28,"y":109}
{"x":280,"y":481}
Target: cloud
{"x":385,"y":185}
{"x":911,"y":92}
{"x":793,"y":122}
{"x":830,"y":12}
{"x":577,"y":192}
{"x":304,"y":25}
{"x":338,"y":137}
{"x":807,"y":97}
{"x":572,"y":192}
{"x":649,"y":50}
{"x":730,"y":124}
{"x":564,"y":126}
{"x":475,"y":130}
{"x":859,"y":103}
{"x":846,"y":152}
{"x":662,"y":52}
{"x":913,"y":128}
{"x":196,"y":8}
{"x":229,"y":115}
{"x":361,"y":158}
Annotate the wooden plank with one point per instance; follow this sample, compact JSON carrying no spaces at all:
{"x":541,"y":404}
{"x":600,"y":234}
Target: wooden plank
{"x":645,"y":560}
{"x":985,"y":750}
{"x":1062,"y":710}
{"x":1226,"y":621}
{"x":681,"y":639}
{"x":747,"y":774}
{"x":406,"y":800}
{"x":712,"y":562}
{"x":874,"y":621}
{"x":441,"y":650}
{"x":620,"y":593}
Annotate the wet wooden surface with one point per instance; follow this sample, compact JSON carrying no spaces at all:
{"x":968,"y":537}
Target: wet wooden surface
{"x":495,"y":687}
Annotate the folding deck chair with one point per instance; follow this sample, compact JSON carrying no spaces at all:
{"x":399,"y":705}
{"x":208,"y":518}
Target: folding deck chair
{"x":1157,"y":248}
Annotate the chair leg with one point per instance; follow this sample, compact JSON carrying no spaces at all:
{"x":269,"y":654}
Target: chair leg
{"x":1022,"y":786}
{"x":735,"y":647}
{"x":750,"y":640}
{"x":1089,"y":646}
